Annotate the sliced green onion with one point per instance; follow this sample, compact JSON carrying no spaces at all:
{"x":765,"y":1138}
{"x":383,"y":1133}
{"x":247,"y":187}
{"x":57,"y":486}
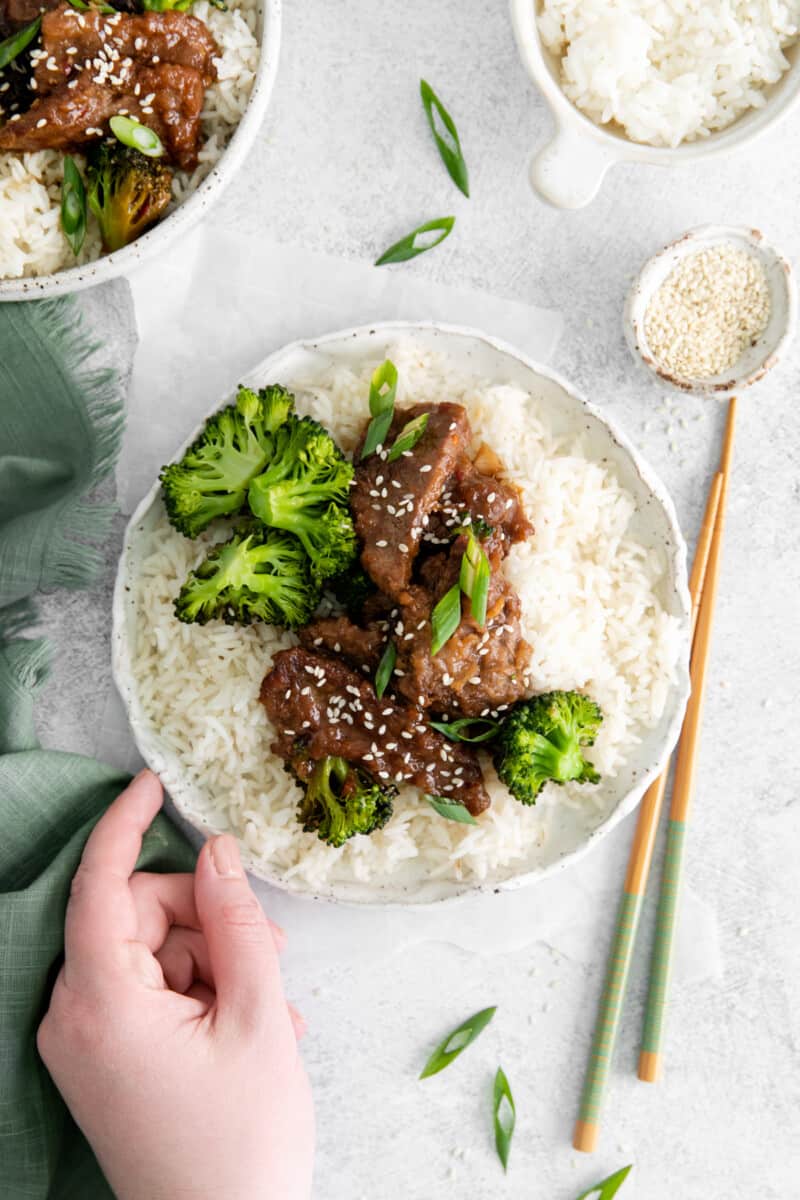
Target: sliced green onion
{"x":385,"y":669}
{"x":408,"y":436}
{"x":14,"y":45}
{"x":407,"y":247}
{"x":137,"y":136}
{"x":456,"y":1042}
{"x":73,"y":206}
{"x":451,"y":810}
{"x":476,"y":575}
{"x":607,"y":1188}
{"x":454,"y":730}
{"x":505,"y":1116}
{"x":95,"y":7}
{"x":382,"y":391}
{"x":446,"y":140}
{"x":445,"y":618}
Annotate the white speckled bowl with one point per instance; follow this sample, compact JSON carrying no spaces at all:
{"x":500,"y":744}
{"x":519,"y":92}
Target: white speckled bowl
{"x":187,"y":214}
{"x":572,"y":831}
{"x":763,"y":355}
{"x":569,"y":170}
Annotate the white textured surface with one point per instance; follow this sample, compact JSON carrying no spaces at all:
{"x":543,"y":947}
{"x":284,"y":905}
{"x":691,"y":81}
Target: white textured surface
{"x":344,"y":165}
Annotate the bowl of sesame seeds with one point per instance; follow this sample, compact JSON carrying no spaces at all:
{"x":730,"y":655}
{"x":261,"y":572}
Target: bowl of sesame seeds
{"x":712,"y":312}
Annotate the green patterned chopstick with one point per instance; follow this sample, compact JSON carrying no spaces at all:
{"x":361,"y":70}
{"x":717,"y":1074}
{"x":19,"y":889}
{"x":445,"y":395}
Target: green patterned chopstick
{"x":650,"y":1058}
{"x":587,"y":1127}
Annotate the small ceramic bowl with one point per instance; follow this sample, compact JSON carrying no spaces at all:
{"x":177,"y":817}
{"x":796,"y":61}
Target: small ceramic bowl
{"x":189,"y":212}
{"x":758,"y":358}
{"x":569,"y":170}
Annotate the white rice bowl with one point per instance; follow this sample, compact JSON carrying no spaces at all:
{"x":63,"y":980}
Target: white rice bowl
{"x":668,"y":71}
{"x":32,"y":242}
{"x":604,"y":607}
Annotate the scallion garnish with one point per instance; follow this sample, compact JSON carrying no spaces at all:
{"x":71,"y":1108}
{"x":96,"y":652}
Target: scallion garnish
{"x":456,"y":1042}
{"x":408,"y":248}
{"x":446,"y":140}
{"x":382,"y":391}
{"x":14,"y":45}
{"x":607,"y":1188}
{"x":408,"y":437}
{"x":445,"y":618}
{"x":476,"y":575}
{"x":73,"y":206}
{"x":385,"y":669}
{"x":451,"y":810}
{"x":485,"y":729}
{"x":94,"y":7}
{"x":137,"y":136}
{"x":505,"y":1116}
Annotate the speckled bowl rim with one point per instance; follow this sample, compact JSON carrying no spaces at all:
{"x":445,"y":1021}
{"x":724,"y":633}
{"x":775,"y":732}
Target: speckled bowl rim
{"x":677,"y":582}
{"x":645,"y":284}
{"x":189,"y":211}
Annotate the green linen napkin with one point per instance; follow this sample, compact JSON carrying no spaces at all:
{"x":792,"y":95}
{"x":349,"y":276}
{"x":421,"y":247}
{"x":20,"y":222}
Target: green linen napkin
{"x":60,"y":427}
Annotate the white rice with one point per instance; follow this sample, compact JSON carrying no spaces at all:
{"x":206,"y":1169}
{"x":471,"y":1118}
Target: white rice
{"x":668,"y":71}
{"x":31,"y":239}
{"x":591,"y":611}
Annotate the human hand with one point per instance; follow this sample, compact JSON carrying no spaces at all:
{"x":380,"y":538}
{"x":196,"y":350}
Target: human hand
{"x":168,"y":1034}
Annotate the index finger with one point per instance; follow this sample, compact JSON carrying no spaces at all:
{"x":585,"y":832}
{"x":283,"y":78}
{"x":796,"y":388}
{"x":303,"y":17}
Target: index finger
{"x":101,"y":915}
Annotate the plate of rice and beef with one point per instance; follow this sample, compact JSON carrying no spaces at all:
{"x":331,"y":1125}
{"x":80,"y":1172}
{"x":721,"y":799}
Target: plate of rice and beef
{"x":406,"y":615}
{"x":118,"y":125}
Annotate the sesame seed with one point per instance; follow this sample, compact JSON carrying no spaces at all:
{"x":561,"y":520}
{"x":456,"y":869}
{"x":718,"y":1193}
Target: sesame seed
{"x":40,"y":124}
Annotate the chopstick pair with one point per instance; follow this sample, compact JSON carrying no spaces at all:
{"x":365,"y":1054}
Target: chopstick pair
{"x":703,"y":588}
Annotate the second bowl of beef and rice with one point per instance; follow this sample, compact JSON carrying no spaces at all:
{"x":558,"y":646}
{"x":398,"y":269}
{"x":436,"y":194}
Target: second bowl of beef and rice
{"x":119,"y":126}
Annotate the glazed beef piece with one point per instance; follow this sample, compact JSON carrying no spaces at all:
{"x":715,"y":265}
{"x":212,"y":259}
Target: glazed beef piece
{"x":319,"y":707}
{"x":151,"y":66}
{"x":117,"y":45}
{"x":484,"y":497}
{"x":392,"y":502}
{"x":478,"y":671}
{"x":16,"y":13}
{"x":360,"y":646}
{"x":72,"y":116}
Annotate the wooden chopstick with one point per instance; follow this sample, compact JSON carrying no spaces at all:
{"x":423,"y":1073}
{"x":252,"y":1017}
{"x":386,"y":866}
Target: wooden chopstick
{"x":650,"y":1058}
{"x":587,"y":1127}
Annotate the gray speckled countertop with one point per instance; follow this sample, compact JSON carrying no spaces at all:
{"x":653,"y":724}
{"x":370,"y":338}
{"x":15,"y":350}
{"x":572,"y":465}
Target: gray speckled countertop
{"x":344,"y":165}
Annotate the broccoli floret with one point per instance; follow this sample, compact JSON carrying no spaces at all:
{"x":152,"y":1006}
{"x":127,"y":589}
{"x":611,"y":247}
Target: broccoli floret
{"x":541,"y":740}
{"x":352,"y":589}
{"x":342,"y":800}
{"x":259,"y":575}
{"x":212,"y":478}
{"x":304,"y":489}
{"x":127,"y":191}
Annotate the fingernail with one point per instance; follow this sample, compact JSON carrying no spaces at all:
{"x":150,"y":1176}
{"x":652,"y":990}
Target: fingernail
{"x":225,"y":856}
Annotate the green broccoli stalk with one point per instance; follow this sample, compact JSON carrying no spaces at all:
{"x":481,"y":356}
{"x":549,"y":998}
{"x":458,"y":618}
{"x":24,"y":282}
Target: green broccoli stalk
{"x":304,"y":489}
{"x":342,"y":800}
{"x":542,"y":739}
{"x":212,"y":478}
{"x":127,"y":191}
{"x":259,"y":575}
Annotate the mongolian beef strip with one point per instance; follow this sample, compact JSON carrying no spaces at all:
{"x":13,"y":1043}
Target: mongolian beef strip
{"x":16,"y":13}
{"x":321,"y":707}
{"x":475,"y":490}
{"x":392,"y":502}
{"x":151,"y":66}
{"x":362,"y":647}
{"x":115,"y":45}
{"x":478,"y":671}
{"x":76,"y":113}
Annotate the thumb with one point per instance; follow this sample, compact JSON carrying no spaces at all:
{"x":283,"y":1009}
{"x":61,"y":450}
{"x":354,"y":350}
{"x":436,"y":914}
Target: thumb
{"x":241,"y":947}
